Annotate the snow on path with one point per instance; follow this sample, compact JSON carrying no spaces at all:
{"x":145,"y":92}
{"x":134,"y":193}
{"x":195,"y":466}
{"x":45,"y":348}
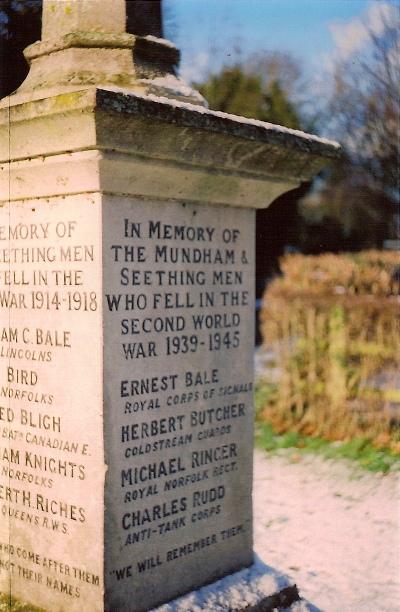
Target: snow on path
{"x":334,"y":529}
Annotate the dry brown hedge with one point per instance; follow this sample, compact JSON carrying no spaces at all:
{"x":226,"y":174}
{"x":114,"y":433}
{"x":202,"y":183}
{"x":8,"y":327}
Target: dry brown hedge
{"x":332,"y":322}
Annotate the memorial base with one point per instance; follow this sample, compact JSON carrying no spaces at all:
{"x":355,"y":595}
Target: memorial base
{"x":259,"y":588}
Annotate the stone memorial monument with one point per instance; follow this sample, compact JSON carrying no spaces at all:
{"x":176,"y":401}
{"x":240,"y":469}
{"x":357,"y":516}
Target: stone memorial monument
{"x":126,"y":303}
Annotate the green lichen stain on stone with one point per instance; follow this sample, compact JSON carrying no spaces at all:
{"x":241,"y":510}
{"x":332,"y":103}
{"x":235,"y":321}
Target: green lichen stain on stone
{"x":66,"y":100}
{"x":215,"y":183}
{"x":8,"y":604}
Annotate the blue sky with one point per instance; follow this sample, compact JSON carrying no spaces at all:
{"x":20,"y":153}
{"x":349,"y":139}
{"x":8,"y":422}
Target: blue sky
{"x":210,"y":32}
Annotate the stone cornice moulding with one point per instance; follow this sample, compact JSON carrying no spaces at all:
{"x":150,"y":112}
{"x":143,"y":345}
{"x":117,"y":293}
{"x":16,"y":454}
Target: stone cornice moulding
{"x":95,"y":103}
{"x":158,"y":147}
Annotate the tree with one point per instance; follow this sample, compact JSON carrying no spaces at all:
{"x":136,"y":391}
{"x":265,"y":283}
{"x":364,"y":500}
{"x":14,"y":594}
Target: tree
{"x":361,"y":193}
{"x":20,"y":23}
{"x":234,"y":91}
{"x":293,"y":94}
{"x":247,"y":90}
{"x":366,"y":108}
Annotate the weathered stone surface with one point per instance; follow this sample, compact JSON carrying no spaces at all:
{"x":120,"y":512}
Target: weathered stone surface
{"x":178,"y":338}
{"x":51,"y":424}
{"x":82,"y":16}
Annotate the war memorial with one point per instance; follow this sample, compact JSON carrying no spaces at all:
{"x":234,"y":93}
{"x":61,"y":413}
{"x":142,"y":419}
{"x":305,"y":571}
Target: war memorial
{"x":127,"y":306}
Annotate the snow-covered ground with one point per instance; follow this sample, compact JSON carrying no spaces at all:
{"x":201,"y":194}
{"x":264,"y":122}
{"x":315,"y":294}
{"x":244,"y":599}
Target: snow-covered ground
{"x":334,"y":529}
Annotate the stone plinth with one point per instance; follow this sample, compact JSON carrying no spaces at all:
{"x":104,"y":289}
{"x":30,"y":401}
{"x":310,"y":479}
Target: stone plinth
{"x":126,"y":302}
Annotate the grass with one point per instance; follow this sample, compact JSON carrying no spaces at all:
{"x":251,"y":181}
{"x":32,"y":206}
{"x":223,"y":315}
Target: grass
{"x":263,"y":393}
{"x":360,"y":450}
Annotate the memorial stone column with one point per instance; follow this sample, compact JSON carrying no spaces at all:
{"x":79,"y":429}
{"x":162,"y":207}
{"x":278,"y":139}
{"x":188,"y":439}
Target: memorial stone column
{"x":127,"y":307}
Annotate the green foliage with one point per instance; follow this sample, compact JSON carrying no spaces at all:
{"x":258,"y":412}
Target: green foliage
{"x":245,"y":93}
{"x":279,"y":109}
{"x":234,"y":92}
{"x":264,"y":393}
{"x":268,"y":439}
{"x":360,"y":450}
